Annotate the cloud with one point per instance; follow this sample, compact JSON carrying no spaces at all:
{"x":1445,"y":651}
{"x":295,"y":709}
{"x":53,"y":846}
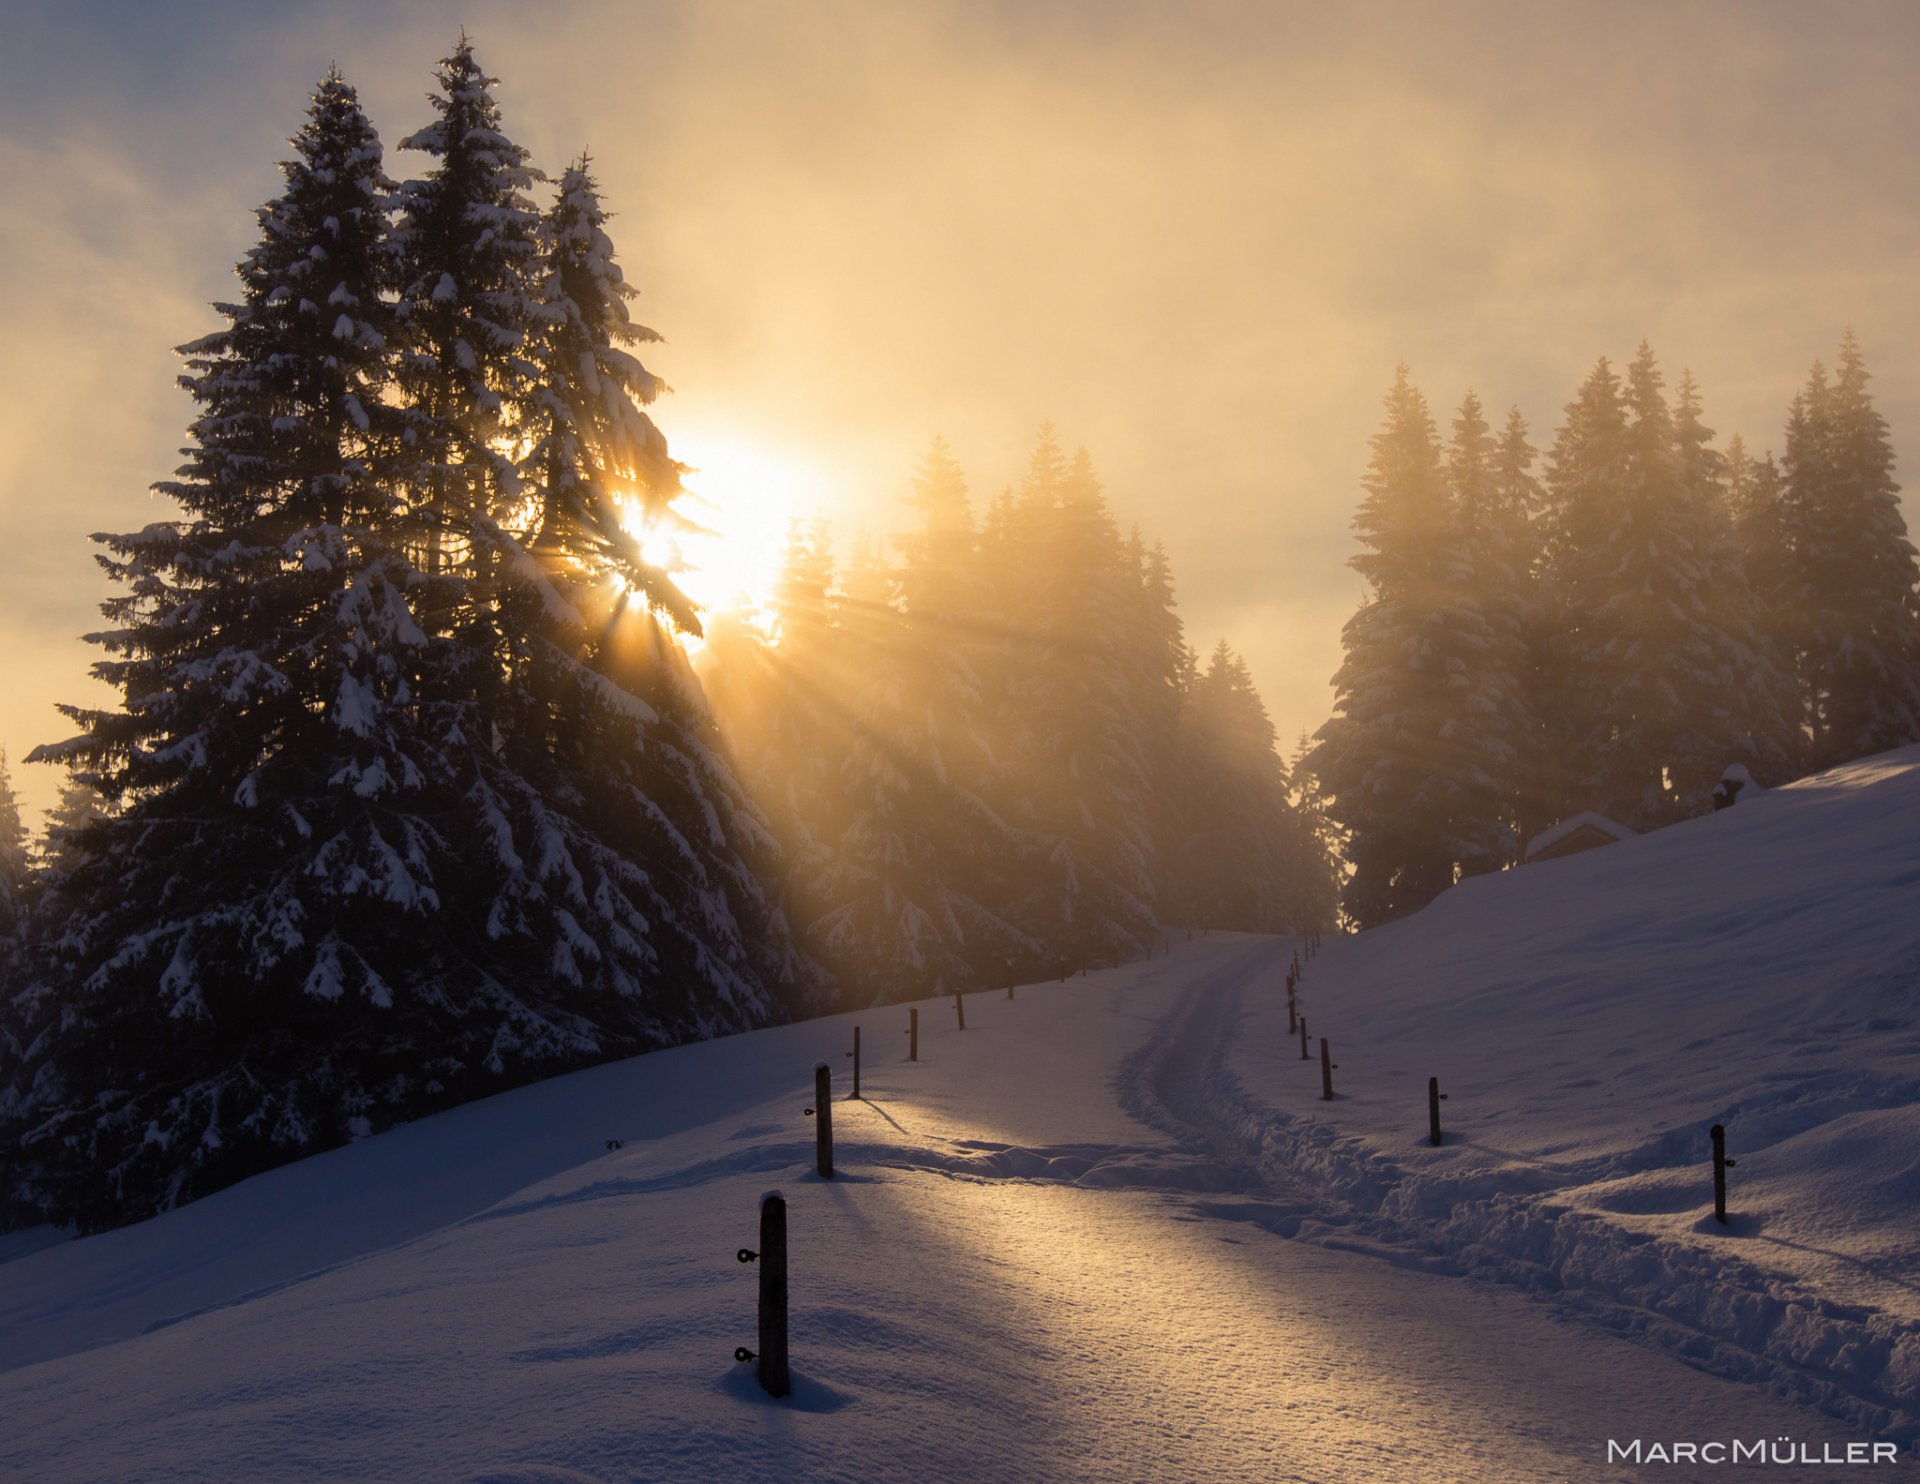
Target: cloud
{"x":1197,"y":236}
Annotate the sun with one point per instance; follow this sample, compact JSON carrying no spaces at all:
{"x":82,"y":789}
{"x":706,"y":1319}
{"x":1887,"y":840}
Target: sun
{"x":744,"y":493}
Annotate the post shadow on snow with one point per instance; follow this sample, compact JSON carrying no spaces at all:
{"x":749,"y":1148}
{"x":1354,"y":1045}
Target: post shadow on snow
{"x":1877,"y":1270}
{"x":1737,"y":1224}
{"x":809,"y":1393}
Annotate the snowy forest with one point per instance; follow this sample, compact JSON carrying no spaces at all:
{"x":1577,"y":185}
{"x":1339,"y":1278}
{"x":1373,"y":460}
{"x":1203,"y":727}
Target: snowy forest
{"x":413,"y":793}
{"x":426,"y":778}
{"x":1613,"y":632}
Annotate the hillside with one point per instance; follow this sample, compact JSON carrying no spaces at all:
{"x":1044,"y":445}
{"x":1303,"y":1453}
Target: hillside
{"x":1110,"y":1230}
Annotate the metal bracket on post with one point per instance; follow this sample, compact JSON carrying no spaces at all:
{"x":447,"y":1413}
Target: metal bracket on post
{"x":1721,"y":1164}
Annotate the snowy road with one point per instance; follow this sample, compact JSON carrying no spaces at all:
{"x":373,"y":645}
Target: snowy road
{"x":1053,"y":1253}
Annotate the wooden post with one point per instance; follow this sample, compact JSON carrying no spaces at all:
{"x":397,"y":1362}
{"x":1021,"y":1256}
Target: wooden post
{"x":960,"y":1009}
{"x":1720,"y":1166}
{"x":771,"y":1364}
{"x":823,"y":1116}
{"x":1326,"y":1072}
{"x":1303,"y":1038}
{"x":1434,"y":1094}
{"x":1293,"y":1023}
{"x":913,"y":1033}
{"x":856,"y":1063}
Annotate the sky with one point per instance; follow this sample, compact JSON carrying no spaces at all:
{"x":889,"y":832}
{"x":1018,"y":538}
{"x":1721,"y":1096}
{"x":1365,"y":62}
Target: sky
{"x":1197,"y":237}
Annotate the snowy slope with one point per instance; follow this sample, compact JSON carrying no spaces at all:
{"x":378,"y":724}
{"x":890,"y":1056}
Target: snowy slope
{"x":1590,"y":1019}
{"x":1109,"y":1231}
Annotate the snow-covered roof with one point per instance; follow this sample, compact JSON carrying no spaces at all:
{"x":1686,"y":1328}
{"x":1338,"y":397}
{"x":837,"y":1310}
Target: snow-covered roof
{"x":1573,"y":824}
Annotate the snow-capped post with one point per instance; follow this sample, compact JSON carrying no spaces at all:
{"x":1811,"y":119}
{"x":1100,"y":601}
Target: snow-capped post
{"x":1303,"y":1038}
{"x":1721,"y":1164}
{"x":1327,"y":1064}
{"x":770,"y":1367}
{"x":822,"y":1113}
{"x":960,"y":1009}
{"x":1434,"y":1094}
{"x":855,"y":1054}
{"x":913,"y":1033}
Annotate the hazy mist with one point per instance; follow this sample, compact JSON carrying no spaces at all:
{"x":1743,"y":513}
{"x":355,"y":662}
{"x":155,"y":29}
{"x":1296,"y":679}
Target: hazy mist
{"x":1197,"y":237}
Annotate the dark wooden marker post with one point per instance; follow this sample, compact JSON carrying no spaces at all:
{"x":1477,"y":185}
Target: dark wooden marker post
{"x":1326,"y":1072}
{"x":771,"y":1364}
{"x":960,"y":1009}
{"x":823,"y":1116}
{"x":1434,"y":1094}
{"x":1303,"y":1038}
{"x":1720,"y":1165}
{"x":913,"y":1033}
{"x":1293,"y":1022}
{"x":855,"y":1054}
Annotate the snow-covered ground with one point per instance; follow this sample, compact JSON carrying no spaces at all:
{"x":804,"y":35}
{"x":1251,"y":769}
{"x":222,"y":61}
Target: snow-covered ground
{"x":1110,"y":1231}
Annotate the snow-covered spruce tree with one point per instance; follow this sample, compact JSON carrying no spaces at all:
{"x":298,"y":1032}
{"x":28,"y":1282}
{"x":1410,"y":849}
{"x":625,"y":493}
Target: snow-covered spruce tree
{"x":14,"y":867}
{"x":1240,"y":850}
{"x":1488,"y":485}
{"x":947,"y":641}
{"x":1160,"y":673}
{"x":1654,"y":690}
{"x":1321,"y":844}
{"x":1854,"y":568}
{"x":621,"y":867}
{"x":1520,"y":502}
{"x":1756,"y":501}
{"x":1763,"y":704}
{"x":229,"y":942}
{"x":1407,"y":760}
{"x":890,"y":923}
{"x":1087,"y":770}
{"x":467,"y":241}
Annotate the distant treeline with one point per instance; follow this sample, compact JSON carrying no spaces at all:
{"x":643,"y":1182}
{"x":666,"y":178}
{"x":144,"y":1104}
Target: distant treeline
{"x":1614,"y":632}
{"x":998,"y":758}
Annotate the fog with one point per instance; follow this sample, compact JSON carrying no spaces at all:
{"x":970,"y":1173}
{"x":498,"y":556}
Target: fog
{"x":1198,"y":238}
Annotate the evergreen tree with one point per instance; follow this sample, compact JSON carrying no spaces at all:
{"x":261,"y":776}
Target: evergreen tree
{"x":1088,"y":765}
{"x":1854,"y":568}
{"x":1662,"y":679}
{"x":1407,"y":759}
{"x":14,"y":866}
{"x":265,"y":878}
{"x":1757,"y":504}
{"x":467,"y":241}
{"x":1240,"y":851}
{"x":1493,"y":723}
{"x":403,"y":811}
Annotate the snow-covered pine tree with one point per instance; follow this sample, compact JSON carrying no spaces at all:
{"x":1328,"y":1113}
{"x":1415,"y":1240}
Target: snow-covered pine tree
{"x":1161,"y":670}
{"x":893,"y":926}
{"x":1241,"y":847}
{"x":466,"y":237}
{"x":1321,"y":845}
{"x":948,"y":641}
{"x":1519,"y":502}
{"x":230,"y":939}
{"x":1494,"y":722}
{"x":622,"y":870}
{"x":1756,"y":502}
{"x":1412,"y":775}
{"x":1656,"y":677}
{"x":18,"y":1020}
{"x":14,"y":872}
{"x":1090,"y":771}
{"x":1762,"y":725}
{"x":1854,"y":567}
